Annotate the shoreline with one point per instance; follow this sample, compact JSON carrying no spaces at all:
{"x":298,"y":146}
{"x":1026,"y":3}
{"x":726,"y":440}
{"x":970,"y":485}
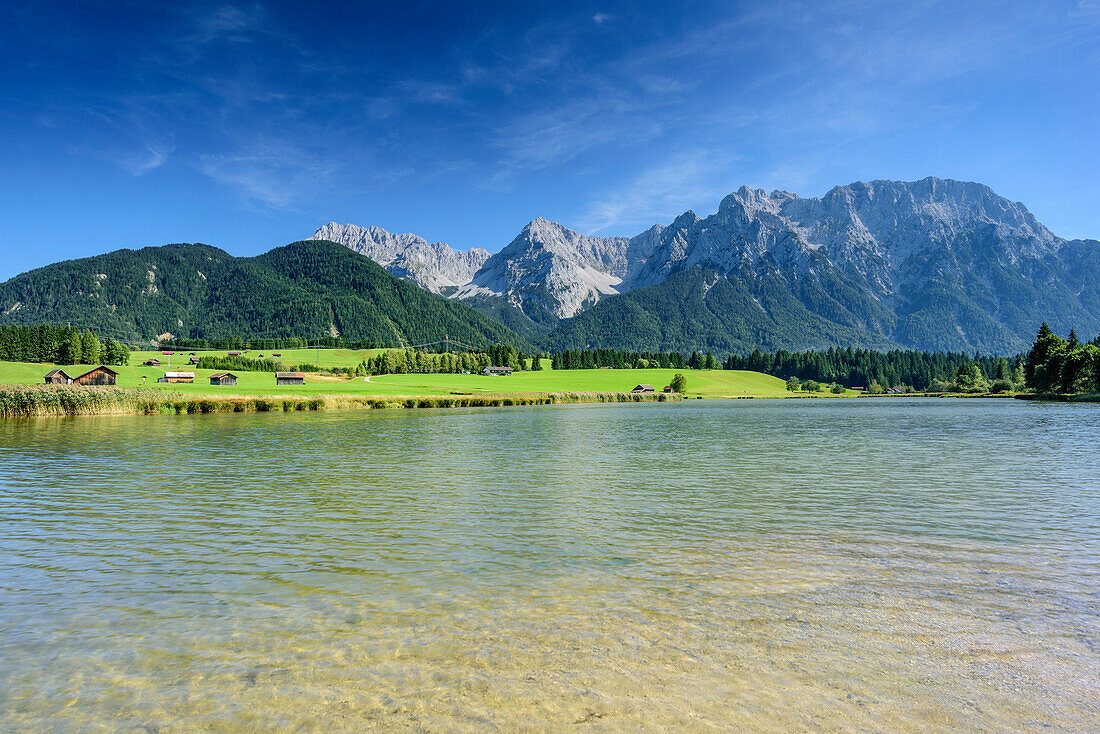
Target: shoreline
{"x":1060,"y":398}
{"x":31,"y":401}
{"x":34,"y":401}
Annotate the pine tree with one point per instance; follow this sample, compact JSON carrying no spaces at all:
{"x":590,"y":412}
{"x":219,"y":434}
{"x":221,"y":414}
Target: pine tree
{"x":69,"y":353}
{"x":1037,"y":367}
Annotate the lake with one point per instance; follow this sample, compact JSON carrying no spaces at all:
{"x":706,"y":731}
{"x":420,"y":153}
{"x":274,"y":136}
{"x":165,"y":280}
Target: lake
{"x":766,"y":565}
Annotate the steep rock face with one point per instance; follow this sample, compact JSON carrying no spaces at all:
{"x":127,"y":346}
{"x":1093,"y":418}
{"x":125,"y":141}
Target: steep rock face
{"x":551,"y":272}
{"x":434,"y":266}
{"x":547,"y":273}
{"x":931,"y":264}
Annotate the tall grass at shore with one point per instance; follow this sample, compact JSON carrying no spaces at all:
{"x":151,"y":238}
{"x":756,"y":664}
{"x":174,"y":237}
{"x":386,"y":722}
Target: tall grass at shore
{"x":66,"y":400}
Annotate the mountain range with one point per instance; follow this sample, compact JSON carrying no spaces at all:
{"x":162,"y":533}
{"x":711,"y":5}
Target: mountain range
{"x":195,"y":291}
{"x":932,"y":264}
{"x":935,"y":265}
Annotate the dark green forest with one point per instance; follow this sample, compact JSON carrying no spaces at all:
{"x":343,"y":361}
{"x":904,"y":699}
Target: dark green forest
{"x":249,"y":364}
{"x":1066,"y":366}
{"x":921,"y":371}
{"x":588,"y":359}
{"x":701,"y":309}
{"x":401,"y":361}
{"x":54,"y":344}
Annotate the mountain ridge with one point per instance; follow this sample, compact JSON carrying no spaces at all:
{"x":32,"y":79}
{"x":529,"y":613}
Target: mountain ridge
{"x":431,"y":265}
{"x":931,"y":264}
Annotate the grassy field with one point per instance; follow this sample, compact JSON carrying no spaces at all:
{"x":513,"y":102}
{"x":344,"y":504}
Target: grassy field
{"x":701,"y":383}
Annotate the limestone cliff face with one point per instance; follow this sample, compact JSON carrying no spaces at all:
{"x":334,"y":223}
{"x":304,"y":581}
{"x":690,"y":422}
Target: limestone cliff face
{"x":562,"y":271}
{"x":434,"y":265}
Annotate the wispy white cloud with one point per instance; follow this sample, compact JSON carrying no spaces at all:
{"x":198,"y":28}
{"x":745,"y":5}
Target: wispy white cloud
{"x":139,"y":162}
{"x":275,"y":172}
{"x":556,"y":136}
{"x":123,"y":132}
{"x":660,"y":192}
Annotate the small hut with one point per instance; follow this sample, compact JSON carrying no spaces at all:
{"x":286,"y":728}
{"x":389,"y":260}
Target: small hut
{"x":193,"y":360}
{"x":101,"y":375}
{"x":290,"y":378}
{"x":58,"y":377}
{"x":667,"y":388}
{"x":223,"y":378}
{"x":151,"y":363}
{"x":177,"y":377}
{"x":276,"y":354}
{"x":232,"y":354}
{"x":642,"y":388}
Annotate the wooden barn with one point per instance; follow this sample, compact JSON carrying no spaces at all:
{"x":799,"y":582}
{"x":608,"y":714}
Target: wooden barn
{"x":193,"y":360}
{"x":290,"y":378}
{"x":177,"y":377}
{"x":151,"y":363}
{"x":232,"y":354}
{"x":497,"y":371}
{"x":58,"y":377}
{"x":223,"y":378}
{"x":667,"y":388}
{"x":643,"y":388}
{"x":101,"y":375}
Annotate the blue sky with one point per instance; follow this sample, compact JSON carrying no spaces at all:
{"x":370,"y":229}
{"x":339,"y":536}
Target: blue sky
{"x":247,"y":125}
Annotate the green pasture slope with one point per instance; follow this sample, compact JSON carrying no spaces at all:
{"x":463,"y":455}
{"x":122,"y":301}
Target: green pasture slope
{"x":702,"y":383}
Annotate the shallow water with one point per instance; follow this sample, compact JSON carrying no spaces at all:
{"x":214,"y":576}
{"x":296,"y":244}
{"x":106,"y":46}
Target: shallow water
{"x":777,"y":566}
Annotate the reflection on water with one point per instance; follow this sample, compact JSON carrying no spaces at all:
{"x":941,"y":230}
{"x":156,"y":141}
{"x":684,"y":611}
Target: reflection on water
{"x":773,"y":565}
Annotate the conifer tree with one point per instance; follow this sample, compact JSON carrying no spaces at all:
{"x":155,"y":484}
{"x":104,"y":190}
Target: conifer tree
{"x":70,"y":351}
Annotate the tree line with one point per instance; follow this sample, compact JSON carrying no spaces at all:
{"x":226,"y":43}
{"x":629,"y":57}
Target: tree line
{"x":910,"y":369}
{"x":401,"y":361}
{"x":1057,"y":365}
{"x":250,"y":364}
{"x":905,"y":368}
{"x":54,"y":344}
{"x":293,"y":342}
{"x":591,"y":359}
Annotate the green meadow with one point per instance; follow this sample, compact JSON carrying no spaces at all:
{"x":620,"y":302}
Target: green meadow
{"x":701,"y":383}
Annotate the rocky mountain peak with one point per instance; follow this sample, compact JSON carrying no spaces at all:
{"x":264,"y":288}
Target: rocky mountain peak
{"x":880,"y":255}
{"x":434,"y":265}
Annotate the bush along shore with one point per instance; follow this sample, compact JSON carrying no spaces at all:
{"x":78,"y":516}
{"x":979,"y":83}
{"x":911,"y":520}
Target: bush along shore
{"x":67,"y":400}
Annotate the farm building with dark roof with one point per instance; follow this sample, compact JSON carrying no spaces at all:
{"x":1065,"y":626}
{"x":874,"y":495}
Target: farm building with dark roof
{"x":223,"y":378}
{"x":101,"y":375}
{"x":58,"y":377}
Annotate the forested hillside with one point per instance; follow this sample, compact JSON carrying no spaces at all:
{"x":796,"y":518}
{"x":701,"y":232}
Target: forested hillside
{"x":700,"y":309}
{"x":197,"y":291}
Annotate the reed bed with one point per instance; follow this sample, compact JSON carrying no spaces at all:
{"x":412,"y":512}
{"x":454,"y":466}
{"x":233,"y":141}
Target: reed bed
{"x":65,"y":400}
